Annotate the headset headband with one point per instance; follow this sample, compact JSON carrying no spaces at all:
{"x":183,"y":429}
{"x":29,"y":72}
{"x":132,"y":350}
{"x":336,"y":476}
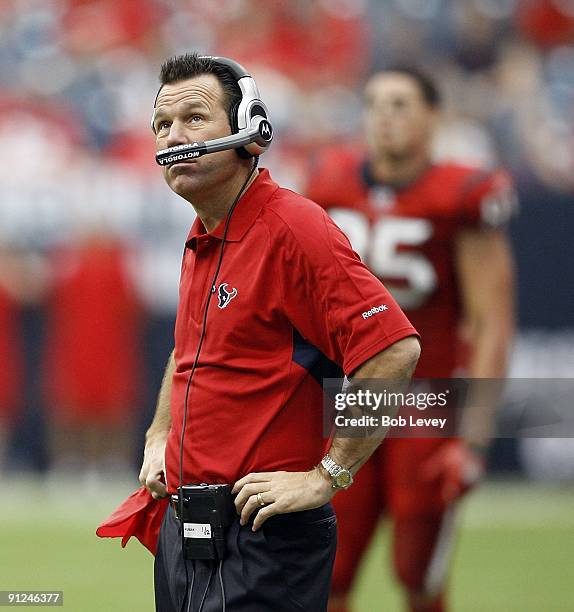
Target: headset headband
{"x":236,"y":69}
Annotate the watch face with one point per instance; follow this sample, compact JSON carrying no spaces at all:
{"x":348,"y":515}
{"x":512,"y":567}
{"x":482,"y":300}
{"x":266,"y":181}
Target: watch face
{"x":343,"y":479}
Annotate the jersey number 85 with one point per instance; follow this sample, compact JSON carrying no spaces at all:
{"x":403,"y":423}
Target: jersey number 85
{"x":378,"y":246}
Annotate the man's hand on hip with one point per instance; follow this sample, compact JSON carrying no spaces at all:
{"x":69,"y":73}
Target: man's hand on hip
{"x":152,"y":474}
{"x":279,"y":493}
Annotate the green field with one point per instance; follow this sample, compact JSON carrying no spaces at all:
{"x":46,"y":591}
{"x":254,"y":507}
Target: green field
{"x":515,"y":552}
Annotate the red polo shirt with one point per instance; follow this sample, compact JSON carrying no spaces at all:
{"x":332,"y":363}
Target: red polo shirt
{"x":293,"y":303}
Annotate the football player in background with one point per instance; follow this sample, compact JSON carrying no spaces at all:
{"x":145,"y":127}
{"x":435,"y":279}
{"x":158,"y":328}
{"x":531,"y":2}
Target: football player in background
{"x":13,"y":295}
{"x":92,"y":357}
{"x":434,"y":234}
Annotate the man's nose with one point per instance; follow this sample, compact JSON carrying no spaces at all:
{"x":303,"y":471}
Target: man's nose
{"x":385,"y":111}
{"x":177,"y":134}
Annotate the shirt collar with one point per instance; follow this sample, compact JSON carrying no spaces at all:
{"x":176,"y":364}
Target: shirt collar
{"x":246,"y":212}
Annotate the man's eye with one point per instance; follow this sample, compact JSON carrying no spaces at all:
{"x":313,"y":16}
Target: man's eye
{"x":163,"y":125}
{"x":196,"y":118}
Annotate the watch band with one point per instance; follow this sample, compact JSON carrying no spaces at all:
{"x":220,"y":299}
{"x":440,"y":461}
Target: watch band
{"x":331,"y":465}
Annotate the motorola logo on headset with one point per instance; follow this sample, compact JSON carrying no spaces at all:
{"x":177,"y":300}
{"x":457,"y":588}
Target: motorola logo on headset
{"x":252,"y":131}
{"x":180,"y":157}
{"x":265,"y":130}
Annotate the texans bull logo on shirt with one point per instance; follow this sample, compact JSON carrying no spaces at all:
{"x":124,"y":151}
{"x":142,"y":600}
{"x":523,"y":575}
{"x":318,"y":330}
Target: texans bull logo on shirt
{"x":224,"y":296}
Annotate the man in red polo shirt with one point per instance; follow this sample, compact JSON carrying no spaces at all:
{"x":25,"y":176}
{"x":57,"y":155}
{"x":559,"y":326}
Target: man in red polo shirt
{"x":292,"y":304}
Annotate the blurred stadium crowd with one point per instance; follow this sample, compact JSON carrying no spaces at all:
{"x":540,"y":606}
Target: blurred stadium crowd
{"x":91,"y":238}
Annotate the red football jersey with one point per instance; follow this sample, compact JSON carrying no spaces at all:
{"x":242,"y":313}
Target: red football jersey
{"x":407,"y":237}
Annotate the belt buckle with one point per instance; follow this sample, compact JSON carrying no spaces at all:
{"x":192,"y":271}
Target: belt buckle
{"x":174,"y":504}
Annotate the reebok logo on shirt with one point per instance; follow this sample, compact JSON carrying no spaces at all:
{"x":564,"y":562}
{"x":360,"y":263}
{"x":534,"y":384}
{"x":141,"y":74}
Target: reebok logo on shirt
{"x":375,"y":310}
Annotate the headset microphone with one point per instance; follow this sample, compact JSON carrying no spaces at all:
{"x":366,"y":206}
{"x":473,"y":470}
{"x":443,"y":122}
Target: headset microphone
{"x":258,"y":137}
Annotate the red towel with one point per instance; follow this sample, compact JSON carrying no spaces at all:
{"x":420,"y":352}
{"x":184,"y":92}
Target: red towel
{"x":140,"y":515}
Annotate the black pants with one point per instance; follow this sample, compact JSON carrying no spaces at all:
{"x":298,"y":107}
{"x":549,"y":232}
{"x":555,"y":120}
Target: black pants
{"x":285,"y":566}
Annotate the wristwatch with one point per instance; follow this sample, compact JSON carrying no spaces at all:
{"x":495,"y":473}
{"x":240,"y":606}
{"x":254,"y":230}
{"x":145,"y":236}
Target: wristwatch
{"x":341,"y":478}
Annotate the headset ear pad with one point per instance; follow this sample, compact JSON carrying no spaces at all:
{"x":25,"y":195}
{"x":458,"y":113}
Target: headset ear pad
{"x":257,"y":148}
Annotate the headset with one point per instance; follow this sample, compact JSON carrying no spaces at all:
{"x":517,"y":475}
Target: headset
{"x":252,"y":131}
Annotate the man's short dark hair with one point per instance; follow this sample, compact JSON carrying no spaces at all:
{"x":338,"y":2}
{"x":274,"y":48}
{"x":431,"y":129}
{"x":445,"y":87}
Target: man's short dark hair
{"x":425,"y":83}
{"x":190,"y":65}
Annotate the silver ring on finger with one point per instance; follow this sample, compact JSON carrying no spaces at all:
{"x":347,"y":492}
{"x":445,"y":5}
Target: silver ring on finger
{"x":260,"y":500}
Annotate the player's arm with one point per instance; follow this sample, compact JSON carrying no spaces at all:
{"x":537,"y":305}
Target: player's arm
{"x":486,"y":277}
{"x":152,"y":473}
{"x":485,"y":274}
{"x":396,"y":363}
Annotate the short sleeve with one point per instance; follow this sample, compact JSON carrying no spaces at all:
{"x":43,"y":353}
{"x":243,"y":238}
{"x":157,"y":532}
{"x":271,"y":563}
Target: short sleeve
{"x":331,"y":297}
{"x":489,"y":200}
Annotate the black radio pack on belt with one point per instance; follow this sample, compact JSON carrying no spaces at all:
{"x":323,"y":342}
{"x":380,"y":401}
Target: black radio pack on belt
{"x":204,"y":513}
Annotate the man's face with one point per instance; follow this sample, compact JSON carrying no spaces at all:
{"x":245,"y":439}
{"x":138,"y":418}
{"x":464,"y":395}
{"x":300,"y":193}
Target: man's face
{"x":189,"y":111}
{"x":398,"y":120}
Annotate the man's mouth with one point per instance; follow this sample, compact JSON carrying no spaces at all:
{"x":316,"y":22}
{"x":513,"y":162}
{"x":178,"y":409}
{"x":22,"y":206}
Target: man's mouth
{"x":188,"y":162}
